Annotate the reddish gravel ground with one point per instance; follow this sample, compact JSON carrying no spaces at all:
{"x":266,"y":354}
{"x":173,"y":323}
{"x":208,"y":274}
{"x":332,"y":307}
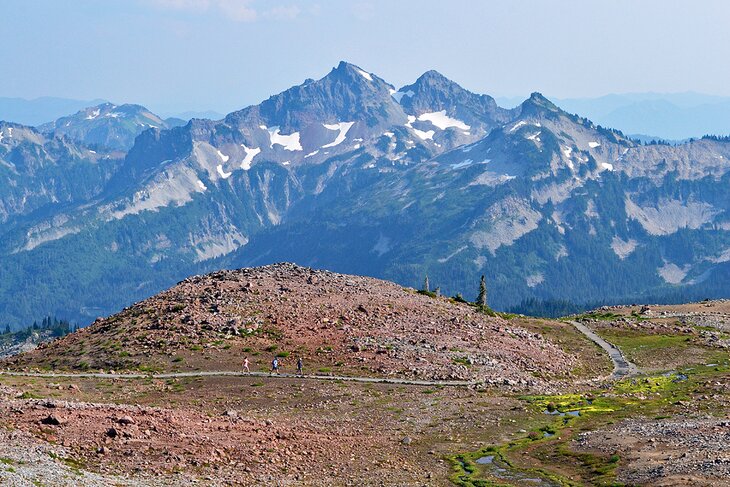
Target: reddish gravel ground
{"x":340,"y":324}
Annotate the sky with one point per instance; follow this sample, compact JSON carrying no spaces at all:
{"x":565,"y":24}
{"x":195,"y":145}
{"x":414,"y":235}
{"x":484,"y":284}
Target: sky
{"x":222,"y":55}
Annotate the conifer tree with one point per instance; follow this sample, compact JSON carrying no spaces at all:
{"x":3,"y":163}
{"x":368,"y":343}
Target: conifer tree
{"x":482,"y":298}
{"x":425,"y":284}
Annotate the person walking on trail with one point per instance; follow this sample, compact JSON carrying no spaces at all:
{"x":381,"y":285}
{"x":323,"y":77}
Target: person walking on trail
{"x":275,"y":366}
{"x":245,"y":365}
{"x":300,"y":366}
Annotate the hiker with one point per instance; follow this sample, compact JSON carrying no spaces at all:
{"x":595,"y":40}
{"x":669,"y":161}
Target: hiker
{"x":275,"y":365}
{"x":300,"y":365}
{"x":245,"y":365}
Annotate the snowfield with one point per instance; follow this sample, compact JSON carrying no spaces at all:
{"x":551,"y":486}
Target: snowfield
{"x":343,"y":128}
{"x":443,"y":121}
{"x":289,"y":142}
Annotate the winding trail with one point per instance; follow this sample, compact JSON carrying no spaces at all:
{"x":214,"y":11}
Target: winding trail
{"x":621,"y":366}
{"x":224,"y":373}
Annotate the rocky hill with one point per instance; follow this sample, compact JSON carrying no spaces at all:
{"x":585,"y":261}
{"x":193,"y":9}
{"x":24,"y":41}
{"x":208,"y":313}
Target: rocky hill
{"x":340,"y":324}
{"x":351,"y":174}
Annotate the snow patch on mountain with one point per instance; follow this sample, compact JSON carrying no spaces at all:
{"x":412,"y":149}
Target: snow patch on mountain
{"x":289,"y":142}
{"x":442,"y":121}
{"x":365,"y":75}
{"x":423,"y":135}
{"x":343,"y":128}
{"x":202,"y":185}
{"x":250,"y":154}
{"x":427,"y":135}
{"x":223,"y":157}
{"x":519,"y":124}
{"x":223,"y":174}
{"x":593,"y":145}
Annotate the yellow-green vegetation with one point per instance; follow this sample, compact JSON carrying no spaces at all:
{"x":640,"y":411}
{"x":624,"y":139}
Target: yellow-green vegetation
{"x":545,"y":453}
{"x":659,"y":352}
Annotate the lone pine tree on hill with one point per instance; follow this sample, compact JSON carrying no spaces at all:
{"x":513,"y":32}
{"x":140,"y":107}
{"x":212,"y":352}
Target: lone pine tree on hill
{"x":482,"y":298}
{"x":425,"y":284}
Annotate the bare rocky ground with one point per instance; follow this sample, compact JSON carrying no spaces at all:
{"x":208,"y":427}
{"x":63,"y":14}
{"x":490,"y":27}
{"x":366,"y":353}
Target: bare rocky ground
{"x":681,"y":451}
{"x":340,"y":324}
{"x":230,"y":431}
{"x":289,"y":431}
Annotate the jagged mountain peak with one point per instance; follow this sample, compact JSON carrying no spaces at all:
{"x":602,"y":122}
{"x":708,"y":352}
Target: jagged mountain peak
{"x":432,"y":77}
{"x":434,"y":86}
{"x":346,"y":93}
{"x":434,"y":96}
{"x":537,"y":104}
{"x":348,"y":69}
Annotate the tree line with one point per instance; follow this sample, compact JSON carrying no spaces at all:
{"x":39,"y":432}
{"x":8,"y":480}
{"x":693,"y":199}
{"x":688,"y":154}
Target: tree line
{"x":50,"y":324}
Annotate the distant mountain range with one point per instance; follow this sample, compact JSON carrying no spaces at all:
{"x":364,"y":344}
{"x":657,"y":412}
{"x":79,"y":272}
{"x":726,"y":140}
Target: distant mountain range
{"x":352,"y":174}
{"x":108,"y":126}
{"x":646,"y":116}
{"x":40,"y":110}
{"x":668,"y":116}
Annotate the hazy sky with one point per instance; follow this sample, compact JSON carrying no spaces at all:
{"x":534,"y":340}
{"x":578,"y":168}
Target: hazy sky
{"x":175,"y":55}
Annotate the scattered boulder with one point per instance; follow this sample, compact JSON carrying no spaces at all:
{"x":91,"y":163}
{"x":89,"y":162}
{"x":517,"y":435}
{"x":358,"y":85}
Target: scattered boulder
{"x":51,"y":420}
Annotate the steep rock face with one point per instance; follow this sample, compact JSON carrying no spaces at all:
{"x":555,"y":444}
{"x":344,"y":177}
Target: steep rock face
{"x":37,"y":171}
{"x":347,"y":173}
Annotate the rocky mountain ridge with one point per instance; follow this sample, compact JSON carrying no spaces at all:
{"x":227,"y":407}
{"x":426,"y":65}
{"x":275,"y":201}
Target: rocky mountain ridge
{"x":349,"y":173}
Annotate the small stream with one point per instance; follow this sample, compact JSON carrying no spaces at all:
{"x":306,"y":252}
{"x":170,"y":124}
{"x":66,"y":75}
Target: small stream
{"x":499,"y":469}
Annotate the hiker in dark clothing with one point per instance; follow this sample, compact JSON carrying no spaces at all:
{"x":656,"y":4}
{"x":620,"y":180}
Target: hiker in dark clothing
{"x":275,"y":366}
{"x":300,"y":365}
